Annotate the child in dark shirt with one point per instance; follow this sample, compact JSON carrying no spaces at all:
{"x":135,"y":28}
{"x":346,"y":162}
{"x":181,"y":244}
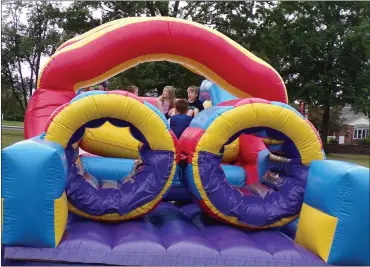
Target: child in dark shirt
{"x":180,"y":121}
{"x":195,"y":105}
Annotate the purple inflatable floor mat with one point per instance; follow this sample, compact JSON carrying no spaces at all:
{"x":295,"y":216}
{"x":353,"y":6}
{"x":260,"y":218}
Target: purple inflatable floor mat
{"x":168,"y":236}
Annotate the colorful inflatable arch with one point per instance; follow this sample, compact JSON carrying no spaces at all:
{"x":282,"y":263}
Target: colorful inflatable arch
{"x":100,"y":54}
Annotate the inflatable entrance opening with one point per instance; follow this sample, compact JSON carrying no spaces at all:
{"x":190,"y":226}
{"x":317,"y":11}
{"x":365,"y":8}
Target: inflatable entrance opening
{"x":278,"y":198}
{"x":135,"y":195}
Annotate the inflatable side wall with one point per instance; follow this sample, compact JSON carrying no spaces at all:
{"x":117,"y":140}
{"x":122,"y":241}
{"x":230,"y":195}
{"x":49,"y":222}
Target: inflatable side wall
{"x":34,"y":204}
{"x":334,"y":221}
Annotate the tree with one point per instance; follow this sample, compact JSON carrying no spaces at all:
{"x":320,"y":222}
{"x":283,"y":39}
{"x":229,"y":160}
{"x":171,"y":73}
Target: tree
{"x":315,"y":115}
{"x":23,"y":44}
{"x":322,"y":51}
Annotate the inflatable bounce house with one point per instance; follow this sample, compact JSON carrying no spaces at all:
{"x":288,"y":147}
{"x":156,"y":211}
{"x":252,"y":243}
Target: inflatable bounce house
{"x":246,"y":184}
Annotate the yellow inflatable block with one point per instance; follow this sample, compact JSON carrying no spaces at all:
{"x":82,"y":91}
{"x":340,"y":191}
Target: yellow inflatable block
{"x":316,"y":230}
{"x":231,"y":151}
{"x":60,"y":217}
{"x":111,"y":141}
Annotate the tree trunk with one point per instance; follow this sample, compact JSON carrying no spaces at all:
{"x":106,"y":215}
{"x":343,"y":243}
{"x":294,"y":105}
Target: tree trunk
{"x":12,"y":86}
{"x":325,"y":125}
{"x":176,"y":9}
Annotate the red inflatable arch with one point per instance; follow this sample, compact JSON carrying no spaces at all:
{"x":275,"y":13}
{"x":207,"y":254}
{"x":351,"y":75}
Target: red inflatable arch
{"x":119,"y":45}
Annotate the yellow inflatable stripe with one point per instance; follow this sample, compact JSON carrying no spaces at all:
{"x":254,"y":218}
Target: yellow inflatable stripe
{"x":92,"y":31}
{"x":139,"y":211}
{"x":316,"y":230}
{"x":48,"y":61}
{"x":289,"y":123}
{"x":78,"y":113}
{"x":119,"y":143}
{"x":231,"y":151}
{"x":268,"y":141}
{"x":196,"y":67}
{"x":60,"y":217}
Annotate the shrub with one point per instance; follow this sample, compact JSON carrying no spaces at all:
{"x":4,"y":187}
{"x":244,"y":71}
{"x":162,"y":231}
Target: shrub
{"x":333,"y":141}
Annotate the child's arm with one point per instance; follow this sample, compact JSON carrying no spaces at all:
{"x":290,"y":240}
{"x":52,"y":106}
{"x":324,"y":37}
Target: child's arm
{"x":159,"y":106}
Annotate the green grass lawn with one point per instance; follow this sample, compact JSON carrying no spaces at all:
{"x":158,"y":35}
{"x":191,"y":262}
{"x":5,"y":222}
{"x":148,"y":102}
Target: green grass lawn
{"x":9,"y":137}
{"x":358,"y":159}
{"x":12,"y":123}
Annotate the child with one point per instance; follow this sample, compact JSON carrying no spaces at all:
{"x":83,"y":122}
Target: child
{"x":138,"y":164}
{"x":180,"y":121}
{"x":195,"y":106}
{"x":87,"y":176}
{"x":103,"y":86}
{"x":167,"y":101}
{"x":133,"y":89}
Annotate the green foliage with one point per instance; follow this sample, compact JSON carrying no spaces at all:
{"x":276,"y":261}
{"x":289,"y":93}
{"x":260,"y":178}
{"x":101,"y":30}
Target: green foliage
{"x":151,"y":77}
{"x":315,"y":116}
{"x":24,"y":43}
{"x":321,"y":49}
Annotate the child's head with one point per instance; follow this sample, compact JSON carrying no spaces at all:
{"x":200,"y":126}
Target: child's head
{"x":168,"y":92}
{"x":192,"y":92}
{"x":133,"y":89}
{"x":169,"y":95}
{"x":103,"y":86}
{"x":181,"y":106}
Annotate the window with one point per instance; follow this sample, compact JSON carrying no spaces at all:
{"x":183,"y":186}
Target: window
{"x":360,"y":133}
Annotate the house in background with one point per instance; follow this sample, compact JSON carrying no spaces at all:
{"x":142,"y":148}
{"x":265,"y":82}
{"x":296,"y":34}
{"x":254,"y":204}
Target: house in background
{"x":355,"y":127}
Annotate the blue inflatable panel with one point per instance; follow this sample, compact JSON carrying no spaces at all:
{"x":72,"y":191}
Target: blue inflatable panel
{"x":116,"y":168}
{"x":341,"y":189}
{"x":103,"y":168}
{"x":207,"y":116}
{"x":235,"y":175}
{"x":34,"y":174}
{"x":219,"y":95}
{"x":169,"y":236}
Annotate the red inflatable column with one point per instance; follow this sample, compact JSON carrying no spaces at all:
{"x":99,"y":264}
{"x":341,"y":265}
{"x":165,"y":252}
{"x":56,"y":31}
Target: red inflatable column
{"x":250,"y":146}
{"x":41,"y":105}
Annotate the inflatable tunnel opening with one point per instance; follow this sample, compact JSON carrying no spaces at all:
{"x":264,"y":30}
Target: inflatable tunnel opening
{"x":263,"y":163}
{"x":115,"y":198}
{"x":275,"y":196}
